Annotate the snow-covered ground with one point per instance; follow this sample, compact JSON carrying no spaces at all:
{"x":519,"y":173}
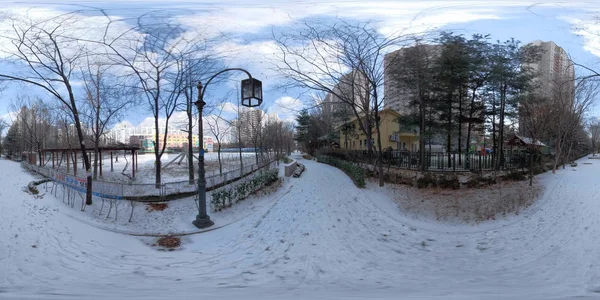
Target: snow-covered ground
{"x":176,"y":218}
{"x":173,"y":173}
{"x":318,"y":237}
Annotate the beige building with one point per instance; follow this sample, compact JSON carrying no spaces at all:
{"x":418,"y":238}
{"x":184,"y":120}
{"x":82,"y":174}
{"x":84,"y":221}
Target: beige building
{"x":353,"y":138}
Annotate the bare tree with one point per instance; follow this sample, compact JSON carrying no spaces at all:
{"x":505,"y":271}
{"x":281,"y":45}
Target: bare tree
{"x":157,"y":61}
{"x":45,"y":55}
{"x":569,"y":106}
{"x":235,"y":126}
{"x":594,"y":129}
{"x":342,"y":60}
{"x":195,"y":70}
{"x":278,"y":136}
{"x":105,"y":102}
{"x":219,"y":128}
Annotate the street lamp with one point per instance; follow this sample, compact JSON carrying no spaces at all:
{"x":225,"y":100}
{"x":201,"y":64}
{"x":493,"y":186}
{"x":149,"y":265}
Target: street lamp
{"x":251,"y":97}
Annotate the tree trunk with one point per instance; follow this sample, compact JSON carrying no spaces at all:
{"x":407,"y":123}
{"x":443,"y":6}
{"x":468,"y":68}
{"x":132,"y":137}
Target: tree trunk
{"x":501,"y":133}
{"x":97,"y":125}
{"x":460,"y":115}
{"x":422,"y":137}
{"x":239,"y":135}
{"x":219,"y":158}
{"x":493,"y":133}
{"x":157,"y":164}
{"x":379,"y":150}
{"x":470,"y":127}
{"x":86,"y":160}
{"x":190,"y":134}
{"x":96,"y":151}
{"x":449,"y":131}
{"x":557,"y":155}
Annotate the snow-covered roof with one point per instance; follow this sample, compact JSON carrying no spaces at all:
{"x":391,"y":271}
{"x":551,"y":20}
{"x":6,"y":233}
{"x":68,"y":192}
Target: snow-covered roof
{"x":529,"y":141}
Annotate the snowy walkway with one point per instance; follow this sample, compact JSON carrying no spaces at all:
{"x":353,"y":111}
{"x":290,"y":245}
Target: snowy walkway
{"x":324,"y":239}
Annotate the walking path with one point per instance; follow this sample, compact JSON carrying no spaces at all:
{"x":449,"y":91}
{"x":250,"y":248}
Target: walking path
{"x":324,"y":239}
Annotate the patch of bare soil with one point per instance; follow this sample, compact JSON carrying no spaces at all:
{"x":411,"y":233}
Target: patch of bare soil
{"x":156,"y":206}
{"x":469,"y":205}
{"x":168,"y":242}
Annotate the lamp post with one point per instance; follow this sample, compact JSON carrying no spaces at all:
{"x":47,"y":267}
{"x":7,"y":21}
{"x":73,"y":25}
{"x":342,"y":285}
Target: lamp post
{"x":251,"y":97}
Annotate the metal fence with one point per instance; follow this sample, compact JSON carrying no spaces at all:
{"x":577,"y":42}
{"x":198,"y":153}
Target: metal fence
{"x":439,"y":161}
{"x":214,"y":181}
{"x":118,"y":190}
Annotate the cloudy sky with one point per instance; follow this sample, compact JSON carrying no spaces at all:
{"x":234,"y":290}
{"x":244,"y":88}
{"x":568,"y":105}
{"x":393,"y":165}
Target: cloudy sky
{"x":249,"y":26}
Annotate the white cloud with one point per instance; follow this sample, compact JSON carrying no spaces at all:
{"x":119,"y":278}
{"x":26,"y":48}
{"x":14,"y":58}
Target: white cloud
{"x":286,"y":108}
{"x":229,"y":107}
{"x":257,"y":57}
{"x":589,"y":30}
{"x":238,"y":18}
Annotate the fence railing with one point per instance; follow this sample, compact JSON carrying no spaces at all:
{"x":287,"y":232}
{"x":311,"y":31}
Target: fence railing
{"x":439,"y":161}
{"x":118,"y":190}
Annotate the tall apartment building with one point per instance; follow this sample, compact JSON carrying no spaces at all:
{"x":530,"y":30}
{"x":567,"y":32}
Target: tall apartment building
{"x":553,"y":68}
{"x":554,"y":76}
{"x":398,"y":94}
{"x":353,"y":86}
{"x":249,"y":123}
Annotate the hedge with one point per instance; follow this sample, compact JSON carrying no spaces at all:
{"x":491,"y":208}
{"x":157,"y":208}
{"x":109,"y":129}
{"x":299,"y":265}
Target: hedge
{"x":357,"y":174}
{"x":230,"y":195}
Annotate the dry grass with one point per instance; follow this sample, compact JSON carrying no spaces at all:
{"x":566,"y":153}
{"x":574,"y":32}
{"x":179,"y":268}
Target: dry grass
{"x":467,"y":205}
{"x":157,"y":206}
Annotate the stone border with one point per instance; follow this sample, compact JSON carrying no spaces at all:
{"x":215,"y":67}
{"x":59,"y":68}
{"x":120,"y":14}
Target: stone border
{"x":290,"y":168}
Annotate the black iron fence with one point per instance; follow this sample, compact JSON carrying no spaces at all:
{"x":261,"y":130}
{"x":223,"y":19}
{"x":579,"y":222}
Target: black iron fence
{"x":440,"y":161}
{"x":145,"y":191}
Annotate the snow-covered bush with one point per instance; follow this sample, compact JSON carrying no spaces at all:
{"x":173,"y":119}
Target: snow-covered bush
{"x":230,"y":195}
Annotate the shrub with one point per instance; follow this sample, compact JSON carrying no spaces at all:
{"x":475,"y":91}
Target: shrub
{"x":426,"y":181}
{"x":479,"y":181}
{"x":306,"y":156}
{"x":357,"y":174}
{"x":230,"y":195}
{"x":448,"y":182}
{"x":515,"y":175}
{"x":286,"y":160}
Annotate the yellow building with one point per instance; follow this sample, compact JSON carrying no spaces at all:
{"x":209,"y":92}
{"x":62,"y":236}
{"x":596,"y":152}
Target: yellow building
{"x":353,"y":138}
